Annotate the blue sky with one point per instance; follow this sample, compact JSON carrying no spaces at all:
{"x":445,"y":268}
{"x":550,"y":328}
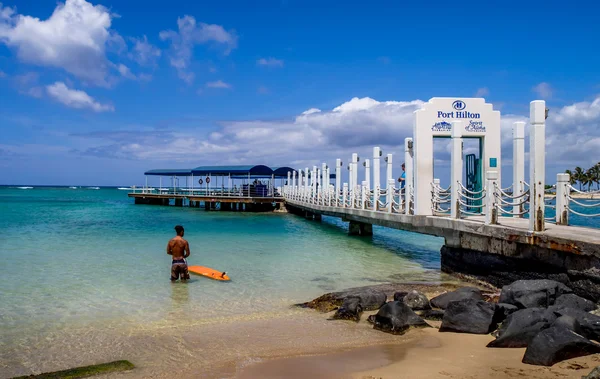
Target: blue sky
{"x":98,"y":92}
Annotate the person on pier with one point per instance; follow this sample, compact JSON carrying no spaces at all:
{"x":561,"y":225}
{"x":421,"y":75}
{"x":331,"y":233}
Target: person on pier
{"x":402,"y":178}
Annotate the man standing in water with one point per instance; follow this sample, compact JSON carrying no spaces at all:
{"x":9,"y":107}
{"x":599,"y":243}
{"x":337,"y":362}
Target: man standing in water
{"x":179,"y":249}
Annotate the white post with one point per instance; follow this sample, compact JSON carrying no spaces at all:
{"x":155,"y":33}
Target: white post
{"x":562,"y":199}
{"x":456,"y":169}
{"x":323,"y":182}
{"x":389,"y":175}
{"x":338,"y":179}
{"x":293,"y":185}
{"x":409,"y":174}
{"x":376,"y":168}
{"x":318,"y":192}
{"x":288,"y":185}
{"x":537,"y":169}
{"x":518,"y":165}
{"x":363,"y":200}
{"x":350,"y":184}
{"x":354,"y":171}
{"x":306,"y":184}
{"x":313,"y":183}
{"x":345,"y":195}
{"x":491,"y":181}
{"x":390,"y":195}
{"x":367,"y":164}
{"x":328,"y":185}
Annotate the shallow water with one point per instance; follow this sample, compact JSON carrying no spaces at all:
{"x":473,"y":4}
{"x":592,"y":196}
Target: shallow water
{"x":83,"y":262}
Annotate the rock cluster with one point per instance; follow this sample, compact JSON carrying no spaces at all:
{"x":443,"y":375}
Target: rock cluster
{"x":544,"y":316}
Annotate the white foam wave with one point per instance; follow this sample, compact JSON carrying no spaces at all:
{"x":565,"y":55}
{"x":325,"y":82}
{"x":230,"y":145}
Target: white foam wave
{"x":24,"y":187}
{"x":94,"y":188}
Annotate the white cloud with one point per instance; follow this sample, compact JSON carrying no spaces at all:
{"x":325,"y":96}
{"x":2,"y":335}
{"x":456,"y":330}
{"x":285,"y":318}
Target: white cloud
{"x":143,"y":52}
{"x":270,"y":62}
{"x":481,"y":92}
{"x":73,"y":38}
{"x":218,"y":84}
{"x":190,"y":34}
{"x":75,"y":98}
{"x":544,"y":90}
{"x":27,"y":84}
{"x":125,"y":72}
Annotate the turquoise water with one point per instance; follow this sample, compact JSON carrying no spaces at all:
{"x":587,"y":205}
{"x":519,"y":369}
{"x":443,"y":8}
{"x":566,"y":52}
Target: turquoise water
{"x":86,"y":258}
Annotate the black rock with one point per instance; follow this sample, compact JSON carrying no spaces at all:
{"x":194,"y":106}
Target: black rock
{"x":399,"y":296}
{"x":573,"y":301}
{"x":396,"y":317}
{"x":589,"y":323}
{"x":372,"y":300}
{"x":503,"y":310}
{"x":469,"y":316}
{"x":351,"y":309}
{"x":568,"y":322}
{"x":594,"y":374}
{"x":520,"y":327}
{"x":416,"y":301}
{"x":533,"y":293}
{"x":431,"y":314}
{"x":444,"y":299}
{"x":556,"y":344}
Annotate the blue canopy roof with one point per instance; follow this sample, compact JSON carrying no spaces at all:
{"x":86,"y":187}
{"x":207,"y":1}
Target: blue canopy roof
{"x":170,"y":172}
{"x":233,"y":170}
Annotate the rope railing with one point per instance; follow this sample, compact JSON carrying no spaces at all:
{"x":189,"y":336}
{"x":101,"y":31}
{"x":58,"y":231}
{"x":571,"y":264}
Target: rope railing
{"x":573,"y":189}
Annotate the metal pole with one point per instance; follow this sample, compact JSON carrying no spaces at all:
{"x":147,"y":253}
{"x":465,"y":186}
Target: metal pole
{"x":537,"y":169}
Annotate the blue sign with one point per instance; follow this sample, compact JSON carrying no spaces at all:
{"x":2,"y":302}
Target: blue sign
{"x":459,"y":105}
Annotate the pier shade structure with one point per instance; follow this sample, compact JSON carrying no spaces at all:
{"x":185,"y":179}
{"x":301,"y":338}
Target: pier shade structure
{"x":491,"y":233}
{"x":232,"y":188}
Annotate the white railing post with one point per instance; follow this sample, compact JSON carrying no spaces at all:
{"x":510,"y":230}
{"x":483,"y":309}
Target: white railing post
{"x":350,"y":185}
{"x":376,"y":171}
{"x":367,"y":164}
{"x":363,"y":192}
{"x":345,"y":195}
{"x":318,"y":194}
{"x":409,"y":174}
{"x":324,"y":182}
{"x":354,"y":172}
{"x":307,"y":184}
{"x":456,"y":169}
{"x":328,"y":176}
{"x":313,"y":184}
{"x":338,"y":179}
{"x":562,"y":199}
{"x":388,"y":161}
{"x":288,"y":184}
{"x":294,"y":188}
{"x":390,"y":195}
{"x":491,"y":213}
{"x":518,"y":166}
{"x":537,"y":169}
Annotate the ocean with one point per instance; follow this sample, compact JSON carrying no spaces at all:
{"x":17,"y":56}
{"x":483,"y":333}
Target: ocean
{"x":86,"y":262}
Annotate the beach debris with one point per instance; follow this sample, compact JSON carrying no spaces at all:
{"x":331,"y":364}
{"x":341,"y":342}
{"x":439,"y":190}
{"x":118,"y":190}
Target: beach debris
{"x":431,"y":314}
{"x":594,"y":374}
{"x":351,"y":309}
{"x":462,"y":293}
{"x":396,"y":317}
{"x":573,"y":301}
{"x":533,"y":293}
{"x":469,"y":316}
{"x":557,"y":344}
{"x":522,"y":326}
{"x":503,"y":310}
{"x":417,"y":301}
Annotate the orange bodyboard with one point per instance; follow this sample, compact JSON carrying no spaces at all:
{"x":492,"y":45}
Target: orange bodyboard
{"x":208,"y":272}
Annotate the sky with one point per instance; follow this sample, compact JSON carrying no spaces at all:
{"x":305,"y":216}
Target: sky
{"x":96,"y":93}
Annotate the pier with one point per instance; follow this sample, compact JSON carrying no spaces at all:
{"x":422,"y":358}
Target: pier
{"x":225,"y":188}
{"x":491,"y":233}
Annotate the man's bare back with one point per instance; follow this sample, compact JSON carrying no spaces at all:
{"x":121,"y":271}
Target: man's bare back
{"x":178,"y":248}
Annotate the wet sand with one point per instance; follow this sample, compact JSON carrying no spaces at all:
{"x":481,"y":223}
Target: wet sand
{"x":424,"y":353}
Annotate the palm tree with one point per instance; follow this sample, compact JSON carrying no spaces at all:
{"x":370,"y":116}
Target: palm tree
{"x":579,"y":175}
{"x":571,"y":177}
{"x":595,"y":174}
{"x":588,"y":178}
